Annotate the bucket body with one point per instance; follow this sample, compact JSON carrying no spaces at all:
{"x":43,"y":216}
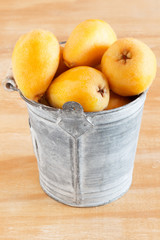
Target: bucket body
{"x":85,"y":159}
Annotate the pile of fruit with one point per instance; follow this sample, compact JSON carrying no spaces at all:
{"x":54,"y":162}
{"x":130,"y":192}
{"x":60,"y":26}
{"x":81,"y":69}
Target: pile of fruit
{"x":93,"y":68}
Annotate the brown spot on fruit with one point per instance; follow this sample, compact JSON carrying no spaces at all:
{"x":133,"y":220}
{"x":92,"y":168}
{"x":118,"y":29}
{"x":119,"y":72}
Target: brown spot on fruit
{"x":70,"y":65}
{"x":125,"y":56}
{"x":102,"y":91}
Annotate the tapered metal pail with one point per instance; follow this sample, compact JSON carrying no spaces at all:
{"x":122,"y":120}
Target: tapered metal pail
{"x":84,"y":159}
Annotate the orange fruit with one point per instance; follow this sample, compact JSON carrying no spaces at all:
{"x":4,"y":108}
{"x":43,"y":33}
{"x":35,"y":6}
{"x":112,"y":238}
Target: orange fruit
{"x":130,"y":66}
{"x":88,"y":42}
{"x":84,"y":85}
{"x":116,"y":101}
{"x":35,"y":61}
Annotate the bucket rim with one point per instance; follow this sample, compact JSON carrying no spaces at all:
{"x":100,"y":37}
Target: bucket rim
{"x":137,"y":98}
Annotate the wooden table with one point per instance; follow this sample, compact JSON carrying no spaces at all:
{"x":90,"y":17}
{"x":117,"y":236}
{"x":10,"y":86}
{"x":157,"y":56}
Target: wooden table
{"x":26,"y":212}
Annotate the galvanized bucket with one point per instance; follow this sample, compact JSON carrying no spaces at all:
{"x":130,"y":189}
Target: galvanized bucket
{"x":84,"y":159}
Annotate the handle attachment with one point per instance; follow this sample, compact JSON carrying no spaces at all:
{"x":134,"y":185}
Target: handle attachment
{"x":73,"y":108}
{"x":73,"y":119}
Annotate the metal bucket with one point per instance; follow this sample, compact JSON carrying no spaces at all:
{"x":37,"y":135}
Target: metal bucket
{"x":84,"y":159}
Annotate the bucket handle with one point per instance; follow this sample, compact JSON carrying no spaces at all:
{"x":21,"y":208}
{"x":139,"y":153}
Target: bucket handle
{"x":9,"y":83}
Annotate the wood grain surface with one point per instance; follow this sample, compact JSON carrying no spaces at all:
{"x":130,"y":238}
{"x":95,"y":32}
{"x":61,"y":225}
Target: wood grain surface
{"x":26,"y":212}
